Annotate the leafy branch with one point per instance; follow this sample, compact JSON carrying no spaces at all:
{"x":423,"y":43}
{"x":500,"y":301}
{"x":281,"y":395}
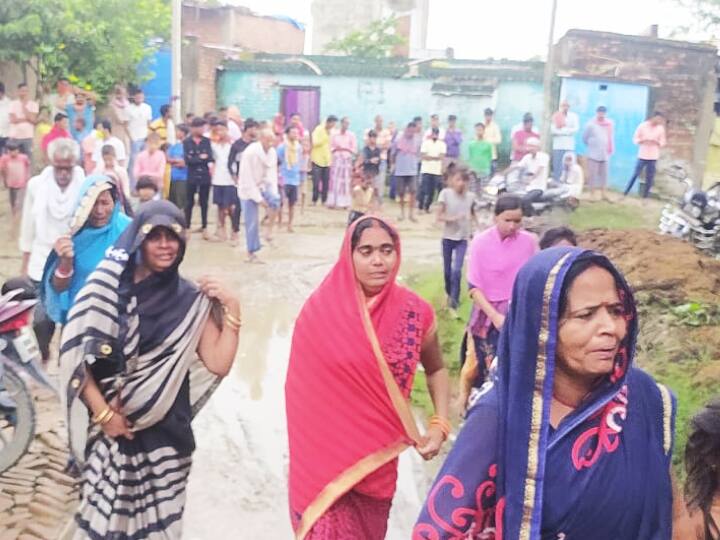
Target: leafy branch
{"x":377,"y":40}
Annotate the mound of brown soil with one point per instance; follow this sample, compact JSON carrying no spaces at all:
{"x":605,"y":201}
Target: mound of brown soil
{"x":661,"y":265}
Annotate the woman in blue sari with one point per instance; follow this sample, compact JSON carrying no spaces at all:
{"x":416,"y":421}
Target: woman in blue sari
{"x":98,"y":221}
{"x":570,"y":441}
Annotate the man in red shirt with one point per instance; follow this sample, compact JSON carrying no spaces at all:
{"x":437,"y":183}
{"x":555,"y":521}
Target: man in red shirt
{"x":520,"y":137}
{"x":58,"y":131}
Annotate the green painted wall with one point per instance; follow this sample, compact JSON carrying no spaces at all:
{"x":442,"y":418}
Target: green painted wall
{"x":258,"y":96}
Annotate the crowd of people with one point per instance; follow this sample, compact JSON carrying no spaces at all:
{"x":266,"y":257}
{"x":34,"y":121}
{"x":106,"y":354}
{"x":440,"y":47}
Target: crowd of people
{"x":563,"y":436}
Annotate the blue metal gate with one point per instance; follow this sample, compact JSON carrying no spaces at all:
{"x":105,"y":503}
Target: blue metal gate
{"x":627,"y":106}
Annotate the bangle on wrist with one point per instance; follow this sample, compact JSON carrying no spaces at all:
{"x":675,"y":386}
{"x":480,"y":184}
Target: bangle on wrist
{"x":442,"y":424}
{"x":102,"y":415}
{"x":107,"y":418}
{"x":230,"y":318}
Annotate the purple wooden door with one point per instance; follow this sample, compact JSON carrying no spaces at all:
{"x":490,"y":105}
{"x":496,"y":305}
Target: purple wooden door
{"x":304,"y":101}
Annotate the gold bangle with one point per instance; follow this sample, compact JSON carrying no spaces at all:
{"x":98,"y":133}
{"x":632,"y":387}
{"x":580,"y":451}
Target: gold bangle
{"x":98,"y":418}
{"x":107,"y":418}
{"x":232,"y":324}
{"x":230,"y":317}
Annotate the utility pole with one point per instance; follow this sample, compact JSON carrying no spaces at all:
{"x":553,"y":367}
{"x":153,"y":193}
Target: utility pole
{"x":548,"y":82}
{"x":175,"y":53}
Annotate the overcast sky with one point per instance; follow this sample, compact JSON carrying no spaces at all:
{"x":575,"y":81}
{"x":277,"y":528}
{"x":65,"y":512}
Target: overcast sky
{"x":516,"y":29}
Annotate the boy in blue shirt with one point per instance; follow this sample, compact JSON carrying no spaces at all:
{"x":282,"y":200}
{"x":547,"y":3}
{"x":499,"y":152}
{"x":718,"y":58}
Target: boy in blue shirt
{"x":291,"y":161}
{"x":178,"y":171}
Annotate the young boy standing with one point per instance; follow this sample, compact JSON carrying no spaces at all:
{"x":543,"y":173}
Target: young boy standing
{"x":178,"y":171}
{"x":480,"y":158}
{"x":290,"y":155}
{"x":457,"y":213}
{"x":371,"y":161}
{"x":362,"y":198}
{"x":224,"y":188}
{"x":15,"y":173}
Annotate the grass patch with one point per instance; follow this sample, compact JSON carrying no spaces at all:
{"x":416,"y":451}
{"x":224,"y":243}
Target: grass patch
{"x":596,"y":215}
{"x":430,"y":286}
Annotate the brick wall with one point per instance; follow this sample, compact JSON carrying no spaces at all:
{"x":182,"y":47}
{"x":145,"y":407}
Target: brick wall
{"x":681,"y":77}
{"x":199,"y":79}
{"x":238,"y":27}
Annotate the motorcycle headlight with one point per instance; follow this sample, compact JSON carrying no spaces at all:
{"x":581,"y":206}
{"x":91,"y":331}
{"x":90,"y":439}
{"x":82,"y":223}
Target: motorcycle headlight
{"x":491,"y":190}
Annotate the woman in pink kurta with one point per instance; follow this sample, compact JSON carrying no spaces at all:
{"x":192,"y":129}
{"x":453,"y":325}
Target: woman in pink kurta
{"x":344,"y":148}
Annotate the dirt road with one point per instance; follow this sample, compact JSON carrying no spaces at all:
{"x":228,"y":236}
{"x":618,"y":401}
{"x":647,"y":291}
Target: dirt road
{"x":238,"y":484}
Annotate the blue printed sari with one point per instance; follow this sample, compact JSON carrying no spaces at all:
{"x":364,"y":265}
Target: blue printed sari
{"x":89,"y":245}
{"x":603,"y":474}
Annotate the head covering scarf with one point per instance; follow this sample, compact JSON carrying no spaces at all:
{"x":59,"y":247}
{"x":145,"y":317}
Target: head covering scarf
{"x":494,"y":261}
{"x":138,"y":339}
{"x":89,"y":245}
{"x":347,"y":412}
{"x":603,"y":473}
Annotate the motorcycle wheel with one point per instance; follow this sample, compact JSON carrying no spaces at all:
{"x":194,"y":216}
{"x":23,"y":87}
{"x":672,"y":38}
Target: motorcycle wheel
{"x":17,"y":427}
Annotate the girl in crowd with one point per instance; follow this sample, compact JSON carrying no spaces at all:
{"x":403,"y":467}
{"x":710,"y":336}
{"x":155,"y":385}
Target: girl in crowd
{"x":343,"y":450}
{"x":571,"y":440}
{"x":496,"y":256}
{"x":143,"y":348}
{"x":97,"y":222}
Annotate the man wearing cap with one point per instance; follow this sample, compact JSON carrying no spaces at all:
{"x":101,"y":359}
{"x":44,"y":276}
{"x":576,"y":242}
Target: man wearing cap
{"x":520,"y":138}
{"x":599,"y":139}
{"x":535,"y":166}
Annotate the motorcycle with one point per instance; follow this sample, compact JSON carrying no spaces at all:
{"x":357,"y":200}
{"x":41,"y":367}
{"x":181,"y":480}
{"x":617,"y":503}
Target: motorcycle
{"x":19,"y":360}
{"x":536,"y":202}
{"x":696,"y":216}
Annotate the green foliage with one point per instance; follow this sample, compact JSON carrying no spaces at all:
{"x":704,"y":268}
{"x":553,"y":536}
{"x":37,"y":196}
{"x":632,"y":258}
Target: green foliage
{"x":705,"y":12}
{"x":697,"y":314}
{"x":95,"y":44}
{"x":377,"y":40}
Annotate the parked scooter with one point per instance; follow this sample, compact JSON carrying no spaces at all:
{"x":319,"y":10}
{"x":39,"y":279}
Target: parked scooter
{"x":696,"y":216}
{"x":20,"y":360}
{"x":536,"y":202}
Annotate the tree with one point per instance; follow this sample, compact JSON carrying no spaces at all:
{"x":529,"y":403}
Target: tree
{"x":377,"y":40}
{"x":705,"y":12}
{"x":95,"y":44}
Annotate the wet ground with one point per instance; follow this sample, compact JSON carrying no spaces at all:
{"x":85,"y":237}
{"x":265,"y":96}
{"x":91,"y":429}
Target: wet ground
{"x":238,"y":484}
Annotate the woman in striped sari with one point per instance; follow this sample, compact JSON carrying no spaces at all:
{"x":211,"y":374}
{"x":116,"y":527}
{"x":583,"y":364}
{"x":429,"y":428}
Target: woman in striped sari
{"x":143,"y":349}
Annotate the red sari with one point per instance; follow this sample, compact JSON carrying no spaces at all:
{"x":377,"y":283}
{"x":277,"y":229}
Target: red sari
{"x":350,"y":375}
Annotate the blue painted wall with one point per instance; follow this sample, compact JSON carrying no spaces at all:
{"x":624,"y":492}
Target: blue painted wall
{"x":158,"y":89}
{"x":258,"y":96}
{"x":627,"y":106}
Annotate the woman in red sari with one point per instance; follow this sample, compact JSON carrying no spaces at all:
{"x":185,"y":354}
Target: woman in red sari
{"x":355,"y":349}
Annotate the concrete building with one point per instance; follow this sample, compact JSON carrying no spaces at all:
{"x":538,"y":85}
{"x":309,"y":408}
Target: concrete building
{"x":213,"y":33}
{"x":633,"y":76}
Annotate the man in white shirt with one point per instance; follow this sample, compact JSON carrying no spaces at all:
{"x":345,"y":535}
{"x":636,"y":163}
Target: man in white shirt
{"x":564,"y":125}
{"x":432,"y":154}
{"x":139,"y":118}
{"x":4,"y":118}
{"x":256,"y":164}
{"x":50,"y":199}
{"x":535,"y":166}
{"x":109,"y":138}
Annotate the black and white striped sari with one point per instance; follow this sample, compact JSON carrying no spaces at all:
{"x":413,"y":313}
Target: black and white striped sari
{"x":139,"y":341}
